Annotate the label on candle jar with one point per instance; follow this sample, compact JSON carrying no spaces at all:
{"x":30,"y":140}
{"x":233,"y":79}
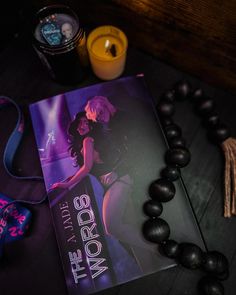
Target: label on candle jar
{"x":67,"y":31}
{"x":51,"y":33}
{"x":56,"y":29}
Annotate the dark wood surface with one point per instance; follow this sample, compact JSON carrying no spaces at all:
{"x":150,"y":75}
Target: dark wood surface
{"x":196,"y":36}
{"x":32,"y":265}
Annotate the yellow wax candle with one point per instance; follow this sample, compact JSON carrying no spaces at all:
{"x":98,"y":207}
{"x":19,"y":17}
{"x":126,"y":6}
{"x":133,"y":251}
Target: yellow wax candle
{"x":107,"y":46}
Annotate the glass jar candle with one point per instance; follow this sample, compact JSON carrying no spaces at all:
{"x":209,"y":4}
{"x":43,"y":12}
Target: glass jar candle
{"x":107,"y":47}
{"x":60,"y":42}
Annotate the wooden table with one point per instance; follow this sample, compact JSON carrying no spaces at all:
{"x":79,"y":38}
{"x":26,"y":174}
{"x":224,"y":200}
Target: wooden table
{"x":32,"y":265}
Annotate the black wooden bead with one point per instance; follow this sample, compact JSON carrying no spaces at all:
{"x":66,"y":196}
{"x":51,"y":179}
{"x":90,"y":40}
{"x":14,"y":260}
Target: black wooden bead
{"x":215,"y":262}
{"x":152,"y":208}
{"x":205,"y":106}
{"x":166,"y":121}
{"x":156,"y":230}
{"x":223,"y":276}
{"x":170,"y":172}
{"x":172,"y":131}
{"x":165,"y":108}
{"x":197,"y":95}
{"x":212,"y":120}
{"x":169,"y":95}
{"x":170,"y":248}
{"x":183,"y":90}
{"x":209,"y":285}
{"x":177,"y":142}
{"x":162,"y":190}
{"x":219,"y":133}
{"x":191,"y":256}
{"x":178,"y":156}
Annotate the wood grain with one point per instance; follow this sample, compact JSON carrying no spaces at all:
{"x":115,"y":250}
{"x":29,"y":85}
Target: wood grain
{"x":195,"y":36}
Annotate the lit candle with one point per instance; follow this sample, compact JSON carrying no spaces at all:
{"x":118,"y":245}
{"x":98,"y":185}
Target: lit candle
{"x":107,"y":46}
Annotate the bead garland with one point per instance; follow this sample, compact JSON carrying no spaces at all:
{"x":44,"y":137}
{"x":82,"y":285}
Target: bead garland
{"x":162,"y":190}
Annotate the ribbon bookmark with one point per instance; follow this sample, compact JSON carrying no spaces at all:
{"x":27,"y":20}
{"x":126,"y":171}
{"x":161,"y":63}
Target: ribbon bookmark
{"x":14,"y":141}
{"x":14,"y":218}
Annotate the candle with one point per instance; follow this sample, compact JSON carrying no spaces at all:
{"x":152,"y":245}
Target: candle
{"x":107,"y":46}
{"x":60,"y":43}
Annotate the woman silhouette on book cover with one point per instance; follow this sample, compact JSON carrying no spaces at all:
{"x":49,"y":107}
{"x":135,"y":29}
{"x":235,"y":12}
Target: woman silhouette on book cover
{"x":81,"y":149}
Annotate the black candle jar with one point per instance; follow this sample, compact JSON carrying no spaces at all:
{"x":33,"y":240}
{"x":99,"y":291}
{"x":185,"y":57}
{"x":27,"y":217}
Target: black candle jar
{"x":60,"y":42}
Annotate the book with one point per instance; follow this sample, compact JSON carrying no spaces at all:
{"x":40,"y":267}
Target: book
{"x":100,"y":147}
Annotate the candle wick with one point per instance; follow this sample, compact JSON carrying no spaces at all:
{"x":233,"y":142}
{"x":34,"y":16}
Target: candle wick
{"x":113,"y":50}
{"x":110,"y":48}
{"x":107,"y":45}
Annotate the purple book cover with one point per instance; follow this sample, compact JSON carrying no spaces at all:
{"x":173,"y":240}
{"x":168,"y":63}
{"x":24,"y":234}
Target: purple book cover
{"x":99,"y":148}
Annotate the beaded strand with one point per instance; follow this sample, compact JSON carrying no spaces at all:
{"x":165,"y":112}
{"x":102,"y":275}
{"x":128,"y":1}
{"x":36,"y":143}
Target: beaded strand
{"x":162,"y":190}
